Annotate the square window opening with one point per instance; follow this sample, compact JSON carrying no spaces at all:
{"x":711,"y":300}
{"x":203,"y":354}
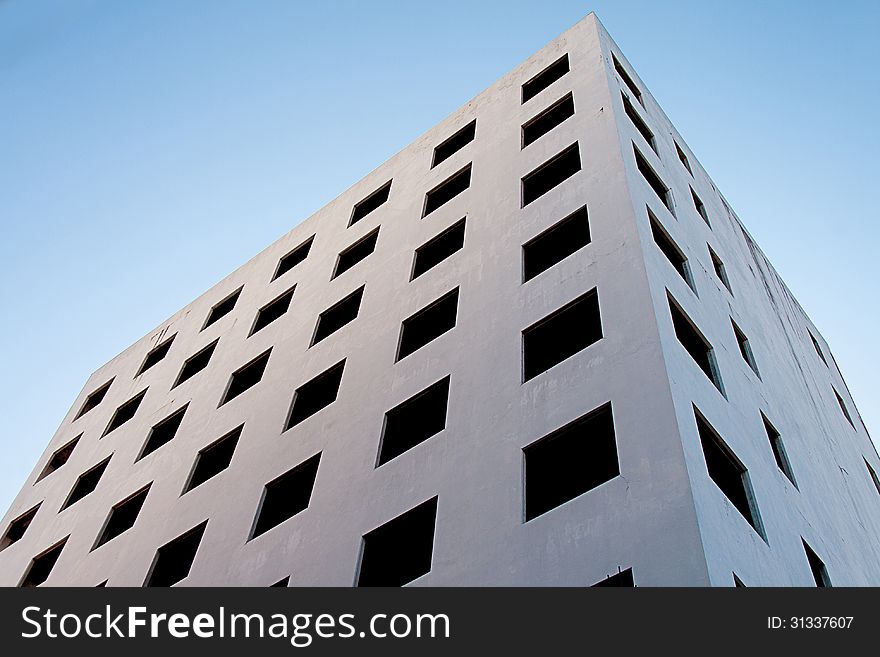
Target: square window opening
{"x":372,"y":202}
{"x":355,"y":253}
{"x":447,"y":190}
{"x":94,"y":398}
{"x":437,"y":249}
{"x":293,"y":258}
{"x":41,"y":566}
{"x":246,"y":377}
{"x":286,"y":496}
{"x":122,"y":516}
{"x":428,"y":324}
{"x":272,"y":311}
{"x":59,"y":458}
{"x":338,"y":315}
{"x":695,"y":344}
{"x":315,"y":395}
{"x":455,"y":143}
{"x":413,"y":421}
{"x":163,"y":432}
{"x":174,"y":560}
{"x":555,"y":244}
{"x":213,"y":459}
{"x":223,"y":308}
{"x":85,"y":483}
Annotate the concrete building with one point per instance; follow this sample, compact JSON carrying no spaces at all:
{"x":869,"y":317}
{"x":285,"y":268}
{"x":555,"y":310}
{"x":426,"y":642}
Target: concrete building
{"x":535,"y":347}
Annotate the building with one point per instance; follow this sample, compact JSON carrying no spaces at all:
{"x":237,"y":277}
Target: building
{"x":535,"y":347}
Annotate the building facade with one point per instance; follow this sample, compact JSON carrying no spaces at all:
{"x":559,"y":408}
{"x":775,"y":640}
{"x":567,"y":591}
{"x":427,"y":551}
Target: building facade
{"x":535,"y":347}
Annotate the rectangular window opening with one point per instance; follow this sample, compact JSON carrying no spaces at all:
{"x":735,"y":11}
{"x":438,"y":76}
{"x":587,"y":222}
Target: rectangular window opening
{"x":729,"y":474}
{"x":195,"y":363}
{"x":59,"y":458}
{"x":561,"y":334}
{"x":447,"y":190}
{"x":355,"y":253}
{"x":570,"y":461}
{"x":125,"y":412}
{"x":552,"y":173}
{"x":414,"y":421}
{"x":873,"y":475}
{"x":428,"y":324}
{"x":85,"y":483}
{"x":627,"y":79}
{"x":156,"y":354}
{"x":246,"y":377}
{"x":41,"y":566}
{"x":454,"y":143}
{"x":401,"y":550}
{"x":122,"y":516}
{"x":701,"y":209}
{"x":315,"y":395}
{"x":18,"y":527}
{"x":286,"y":496}
{"x":720,"y":270}
{"x":638,"y":122}
{"x":174,"y":560}
{"x":843,"y":408}
{"x":545,"y":78}
{"x":670,"y":249}
{"x":94,"y":398}
{"x":660,"y":189}
{"x":555,"y":244}
{"x":683,"y":158}
{"x":817,"y":567}
{"x":223,"y":308}
{"x":437,"y":249}
{"x":292,"y":259}
{"x":779,"y":453}
{"x":695,"y":344}
{"x":272,"y":311}
{"x":163,"y":432}
{"x":213,"y":459}
{"x":745,"y":349}
{"x":817,"y":347}
{"x":540,"y":125}
{"x":372,"y":202}
{"x":338,"y":315}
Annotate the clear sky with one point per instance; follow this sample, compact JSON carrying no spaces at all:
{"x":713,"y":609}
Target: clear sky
{"x":147,"y":149}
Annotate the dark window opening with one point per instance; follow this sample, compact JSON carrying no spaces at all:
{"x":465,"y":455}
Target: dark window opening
{"x":454,"y":143}
{"x":737,"y":582}
{"x":695,"y":344}
{"x":18,"y":527}
{"x":338,"y":315}
{"x":355,"y":253}
{"x":817,"y":567}
{"x":818,"y":348}
{"x":292,"y":259}
{"x":447,"y":190}
{"x":281,"y":583}
{"x":414,"y":421}
{"x":684,"y":159}
{"x":85,"y":483}
{"x":286,"y":496}
{"x":545,"y":78}
{"x":540,"y":125}
{"x":315,"y":395}
{"x":59,"y":458}
{"x":195,"y":363}
{"x":701,"y":209}
{"x":428,"y":324}
{"x":670,"y":250}
{"x":627,"y":80}
{"x":438,"y":248}
{"x":272,"y":311}
{"x":561,"y":334}
{"x":373,"y":201}
{"x":246,"y":377}
{"x":570,"y":461}
{"x":173,"y":560}
{"x":93,"y":399}
{"x":745,"y":349}
{"x":102,"y":584}
{"x":660,"y":189}
{"x":720,"y":270}
{"x":401,"y":550}
{"x":553,"y":172}
{"x":213,"y":459}
{"x":729,"y":474}
{"x":873,"y":474}
{"x":555,"y":244}
{"x":843,"y":408}
{"x":125,"y":412}
{"x":155,"y":355}
{"x":638,"y":122}
{"x":163,"y":432}
{"x":122,"y":516}
{"x":623,"y":578}
{"x":41,"y":566}
{"x":778,"y":449}
{"x":223,"y":308}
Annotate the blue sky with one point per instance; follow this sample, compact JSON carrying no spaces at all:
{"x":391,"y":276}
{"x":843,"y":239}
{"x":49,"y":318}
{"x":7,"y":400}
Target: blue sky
{"x":147,"y":149}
